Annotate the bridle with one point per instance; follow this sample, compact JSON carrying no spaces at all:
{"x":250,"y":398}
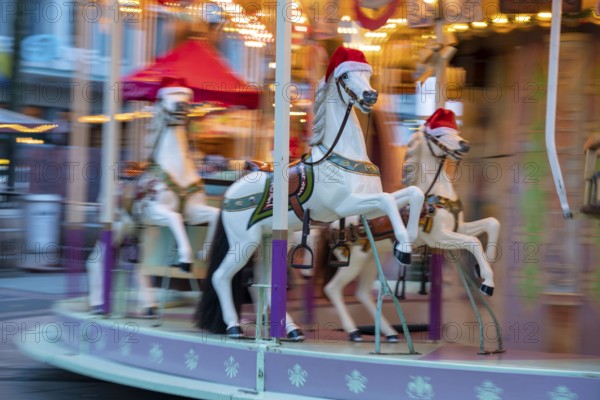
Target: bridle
{"x":354,"y":98}
{"x":170,"y":118}
{"x":429,"y":138}
{"x":456,"y":154}
{"x":175,"y":118}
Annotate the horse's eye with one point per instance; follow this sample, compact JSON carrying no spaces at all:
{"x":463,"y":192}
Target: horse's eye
{"x":345,"y":76}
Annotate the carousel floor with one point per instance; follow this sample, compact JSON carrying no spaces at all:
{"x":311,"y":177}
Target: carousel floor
{"x":177,"y":358}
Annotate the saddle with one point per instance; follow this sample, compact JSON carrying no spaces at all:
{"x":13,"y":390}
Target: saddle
{"x":300,"y":186}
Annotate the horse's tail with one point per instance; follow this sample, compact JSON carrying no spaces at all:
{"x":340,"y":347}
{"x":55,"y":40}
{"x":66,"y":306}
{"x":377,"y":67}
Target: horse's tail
{"x":208,"y":313}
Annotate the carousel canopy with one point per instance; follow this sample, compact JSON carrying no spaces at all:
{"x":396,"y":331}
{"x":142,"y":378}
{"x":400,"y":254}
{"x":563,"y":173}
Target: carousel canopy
{"x":11,"y":121}
{"x":205,"y":72}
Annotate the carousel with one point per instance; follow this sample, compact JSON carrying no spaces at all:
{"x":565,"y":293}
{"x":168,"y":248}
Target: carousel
{"x":271,"y":336}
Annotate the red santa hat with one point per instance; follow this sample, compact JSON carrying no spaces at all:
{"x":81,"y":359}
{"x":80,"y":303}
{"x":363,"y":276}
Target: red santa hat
{"x":441,"y":121}
{"x":346,"y":60}
{"x":172,"y":84}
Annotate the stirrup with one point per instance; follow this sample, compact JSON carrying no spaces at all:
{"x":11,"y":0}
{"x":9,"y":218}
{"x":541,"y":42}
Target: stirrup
{"x":341,"y":244}
{"x":302,"y":247}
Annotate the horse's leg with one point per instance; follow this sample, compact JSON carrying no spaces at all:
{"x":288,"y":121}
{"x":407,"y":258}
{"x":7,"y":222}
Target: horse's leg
{"x":145,"y":295}
{"x":448,"y":240}
{"x":491,"y":226}
{"x":413,"y":196}
{"x":159,"y":214}
{"x":363,"y":292}
{"x":385,"y":203}
{"x":196,"y":213}
{"x":334,"y":289}
{"x":94,"y":266}
{"x":221,"y":281}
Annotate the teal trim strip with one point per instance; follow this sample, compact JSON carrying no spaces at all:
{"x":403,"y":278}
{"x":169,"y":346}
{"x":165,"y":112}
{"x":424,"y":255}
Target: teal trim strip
{"x":357,"y":167}
{"x":243,"y":203}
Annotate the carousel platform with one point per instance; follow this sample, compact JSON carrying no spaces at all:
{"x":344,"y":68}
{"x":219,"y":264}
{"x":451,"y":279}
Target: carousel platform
{"x":178,"y":359}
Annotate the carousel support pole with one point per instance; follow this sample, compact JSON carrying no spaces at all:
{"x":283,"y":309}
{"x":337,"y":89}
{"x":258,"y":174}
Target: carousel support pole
{"x":481,"y":296}
{"x":463,"y":278}
{"x":551,"y":107}
{"x":384,"y":290}
{"x":435,"y":295}
{"x":281,"y":158}
{"x":110,"y":140}
{"x":440,"y":68}
{"x":309,"y":300}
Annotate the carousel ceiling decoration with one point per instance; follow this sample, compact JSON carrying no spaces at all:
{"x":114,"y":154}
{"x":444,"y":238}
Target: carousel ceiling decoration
{"x":373,"y":23}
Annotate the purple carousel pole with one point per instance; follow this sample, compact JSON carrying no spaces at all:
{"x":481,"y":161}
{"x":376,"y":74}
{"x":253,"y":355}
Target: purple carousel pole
{"x":435,"y":295}
{"x":281,"y":158}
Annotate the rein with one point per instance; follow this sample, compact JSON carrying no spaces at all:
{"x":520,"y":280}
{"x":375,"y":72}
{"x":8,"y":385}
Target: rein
{"x":337,"y":139}
{"x":429,"y":137}
{"x":353,"y":99}
{"x":165,"y":124}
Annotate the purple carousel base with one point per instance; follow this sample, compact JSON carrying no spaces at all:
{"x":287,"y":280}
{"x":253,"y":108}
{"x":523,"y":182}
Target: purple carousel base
{"x":178,"y":359}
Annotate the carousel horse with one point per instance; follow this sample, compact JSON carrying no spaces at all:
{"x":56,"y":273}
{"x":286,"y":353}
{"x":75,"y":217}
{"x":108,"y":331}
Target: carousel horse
{"x":441,"y":223}
{"x":168,"y":191}
{"x":335,"y":180}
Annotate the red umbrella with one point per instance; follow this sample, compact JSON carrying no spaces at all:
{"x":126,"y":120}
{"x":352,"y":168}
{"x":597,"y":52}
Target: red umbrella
{"x":205,"y":72}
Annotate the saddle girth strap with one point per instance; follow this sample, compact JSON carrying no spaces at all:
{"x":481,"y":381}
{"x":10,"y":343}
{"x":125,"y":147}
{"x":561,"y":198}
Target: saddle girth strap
{"x":381,"y":228}
{"x":296,"y":205}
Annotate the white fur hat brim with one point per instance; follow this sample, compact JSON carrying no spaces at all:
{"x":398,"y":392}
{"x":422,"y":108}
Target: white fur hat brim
{"x":351,"y":66}
{"x":440,"y":131}
{"x":172,"y":90}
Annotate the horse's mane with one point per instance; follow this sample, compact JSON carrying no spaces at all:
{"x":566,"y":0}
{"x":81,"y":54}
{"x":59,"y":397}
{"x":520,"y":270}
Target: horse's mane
{"x":319,"y":113}
{"x":157,"y":123}
{"x":410,"y":168}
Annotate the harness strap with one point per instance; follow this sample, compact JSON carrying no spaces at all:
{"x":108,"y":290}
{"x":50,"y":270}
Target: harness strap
{"x":181,"y":192}
{"x":454,"y":207}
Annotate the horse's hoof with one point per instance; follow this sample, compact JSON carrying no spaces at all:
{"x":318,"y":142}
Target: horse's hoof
{"x":296,"y":335}
{"x":355,"y":336}
{"x":487,"y":290}
{"x":151,"y":313}
{"x":185,"y":266}
{"x":97,"y":310}
{"x":234,"y":332}
{"x":392,"y":338}
{"x":404,"y":258}
{"x":477,"y":270}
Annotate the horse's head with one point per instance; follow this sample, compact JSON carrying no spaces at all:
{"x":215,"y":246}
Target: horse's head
{"x":174,"y":103}
{"x":352,"y":75}
{"x":442,"y":136}
{"x":355,"y":87}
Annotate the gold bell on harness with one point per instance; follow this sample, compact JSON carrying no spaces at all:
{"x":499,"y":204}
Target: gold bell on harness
{"x":427,"y":222}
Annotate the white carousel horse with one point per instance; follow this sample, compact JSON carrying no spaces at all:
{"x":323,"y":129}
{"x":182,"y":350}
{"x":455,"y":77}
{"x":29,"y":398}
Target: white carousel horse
{"x":336,"y":180}
{"x":442,"y":226}
{"x":169,"y":191}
